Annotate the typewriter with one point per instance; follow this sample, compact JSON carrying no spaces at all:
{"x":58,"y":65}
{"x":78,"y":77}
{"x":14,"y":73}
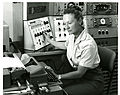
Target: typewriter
{"x":40,"y":74}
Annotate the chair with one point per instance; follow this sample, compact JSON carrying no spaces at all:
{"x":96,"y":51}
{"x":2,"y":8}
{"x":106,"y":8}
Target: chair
{"x":107,"y":57}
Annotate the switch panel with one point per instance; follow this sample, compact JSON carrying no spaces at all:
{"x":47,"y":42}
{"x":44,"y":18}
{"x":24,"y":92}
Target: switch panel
{"x":61,"y":33}
{"x":36,"y":28}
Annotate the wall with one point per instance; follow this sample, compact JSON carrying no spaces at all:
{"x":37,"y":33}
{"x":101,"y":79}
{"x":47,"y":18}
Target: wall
{"x":8,"y":16}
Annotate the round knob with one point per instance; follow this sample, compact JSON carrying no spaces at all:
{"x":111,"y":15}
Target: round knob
{"x":107,"y":32}
{"x":99,"y":32}
{"x":102,"y":21}
{"x":103,"y":32}
{"x":58,"y":23}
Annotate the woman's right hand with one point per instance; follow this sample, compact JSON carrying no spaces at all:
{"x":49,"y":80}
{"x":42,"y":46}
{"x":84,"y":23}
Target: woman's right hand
{"x":49,"y":68}
{"x":46,"y":36}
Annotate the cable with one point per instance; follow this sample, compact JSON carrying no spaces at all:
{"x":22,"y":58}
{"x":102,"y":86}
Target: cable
{"x":65,"y":92}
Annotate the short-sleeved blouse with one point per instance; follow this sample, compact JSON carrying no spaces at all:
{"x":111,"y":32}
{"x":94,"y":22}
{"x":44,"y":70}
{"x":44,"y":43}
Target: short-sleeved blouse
{"x":83,"y":51}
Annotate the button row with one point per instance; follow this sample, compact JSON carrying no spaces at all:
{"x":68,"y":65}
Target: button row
{"x":103,"y":32}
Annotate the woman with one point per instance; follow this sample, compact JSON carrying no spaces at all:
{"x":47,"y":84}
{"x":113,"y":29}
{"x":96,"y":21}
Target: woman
{"x":81,"y":74}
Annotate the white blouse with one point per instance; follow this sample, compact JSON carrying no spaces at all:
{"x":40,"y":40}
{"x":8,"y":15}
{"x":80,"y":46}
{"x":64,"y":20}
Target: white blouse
{"x":83,"y":51}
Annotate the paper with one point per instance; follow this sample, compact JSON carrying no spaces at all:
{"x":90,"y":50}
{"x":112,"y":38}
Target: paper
{"x":7,"y":62}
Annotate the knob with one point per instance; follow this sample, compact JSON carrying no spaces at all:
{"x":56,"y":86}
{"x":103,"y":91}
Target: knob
{"x":58,"y":23}
{"x":107,"y":32}
{"x":38,"y":34}
{"x":59,"y":29}
{"x":103,"y":32}
{"x":45,"y":22}
{"x":64,"y":29}
{"x":51,"y":37}
{"x":35,"y":35}
{"x":48,"y":30}
{"x":99,"y":32}
{"x":59,"y":35}
{"x":64,"y":34}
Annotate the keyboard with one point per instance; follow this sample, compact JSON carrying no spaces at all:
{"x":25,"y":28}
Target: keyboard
{"x":51,"y":76}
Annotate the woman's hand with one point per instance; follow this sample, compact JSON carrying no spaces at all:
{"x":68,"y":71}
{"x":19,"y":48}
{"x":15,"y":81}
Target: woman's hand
{"x":46,"y":36}
{"x":49,"y":68}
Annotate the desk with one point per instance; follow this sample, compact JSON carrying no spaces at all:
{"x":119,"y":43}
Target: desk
{"x":53,"y":90}
{"x":46,"y":53}
{"x":48,"y":58}
{"x":51,"y":58}
{"x":53,"y":87}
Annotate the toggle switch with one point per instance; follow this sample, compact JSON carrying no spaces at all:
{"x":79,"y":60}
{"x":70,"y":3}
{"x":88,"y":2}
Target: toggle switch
{"x":59,"y":35}
{"x":35,"y":35}
{"x":58,"y":23}
{"x":59,"y":29}
{"x":64,"y":34}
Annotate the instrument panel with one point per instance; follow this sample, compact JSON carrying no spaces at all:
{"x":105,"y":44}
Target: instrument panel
{"x":101,"y":8}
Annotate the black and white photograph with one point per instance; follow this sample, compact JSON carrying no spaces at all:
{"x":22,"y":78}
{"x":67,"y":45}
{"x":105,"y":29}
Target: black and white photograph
{"x":60,"y":48}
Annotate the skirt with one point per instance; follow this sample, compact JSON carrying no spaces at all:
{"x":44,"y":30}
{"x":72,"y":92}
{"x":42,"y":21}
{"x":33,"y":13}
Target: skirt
{"x":92,"y":83}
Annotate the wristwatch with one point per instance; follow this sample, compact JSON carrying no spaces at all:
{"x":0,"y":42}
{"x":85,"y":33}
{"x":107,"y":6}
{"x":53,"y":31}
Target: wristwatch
{"x":59,"y":76}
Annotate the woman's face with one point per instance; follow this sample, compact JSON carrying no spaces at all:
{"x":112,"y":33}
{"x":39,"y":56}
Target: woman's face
{"x":71,"y":24}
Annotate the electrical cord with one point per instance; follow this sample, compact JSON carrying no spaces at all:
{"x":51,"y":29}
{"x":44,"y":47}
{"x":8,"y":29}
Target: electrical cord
{"x":65,"y":93}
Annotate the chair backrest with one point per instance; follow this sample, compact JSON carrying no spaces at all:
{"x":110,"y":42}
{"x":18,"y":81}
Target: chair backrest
{"x":107,"y":57}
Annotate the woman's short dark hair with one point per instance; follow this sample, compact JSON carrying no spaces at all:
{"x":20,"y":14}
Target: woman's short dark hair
{"x":74,"y":10}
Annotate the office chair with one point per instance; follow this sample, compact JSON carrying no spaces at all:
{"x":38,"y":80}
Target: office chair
{"x":107,"y":57}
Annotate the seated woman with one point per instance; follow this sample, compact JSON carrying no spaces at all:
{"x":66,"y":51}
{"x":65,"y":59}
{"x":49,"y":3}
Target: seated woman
{"x":81,"y":74}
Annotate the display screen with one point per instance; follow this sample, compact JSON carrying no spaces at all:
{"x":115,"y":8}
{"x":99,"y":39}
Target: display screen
{"x":37,"y":9}
{"x":102,"y":22}
{"x":102,"y":8}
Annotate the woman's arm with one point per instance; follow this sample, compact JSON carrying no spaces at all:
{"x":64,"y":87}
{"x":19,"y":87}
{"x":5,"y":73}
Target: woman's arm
{"x":74,"y":74}
{"x":86,"y":60}
{"x":60,"y":45}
